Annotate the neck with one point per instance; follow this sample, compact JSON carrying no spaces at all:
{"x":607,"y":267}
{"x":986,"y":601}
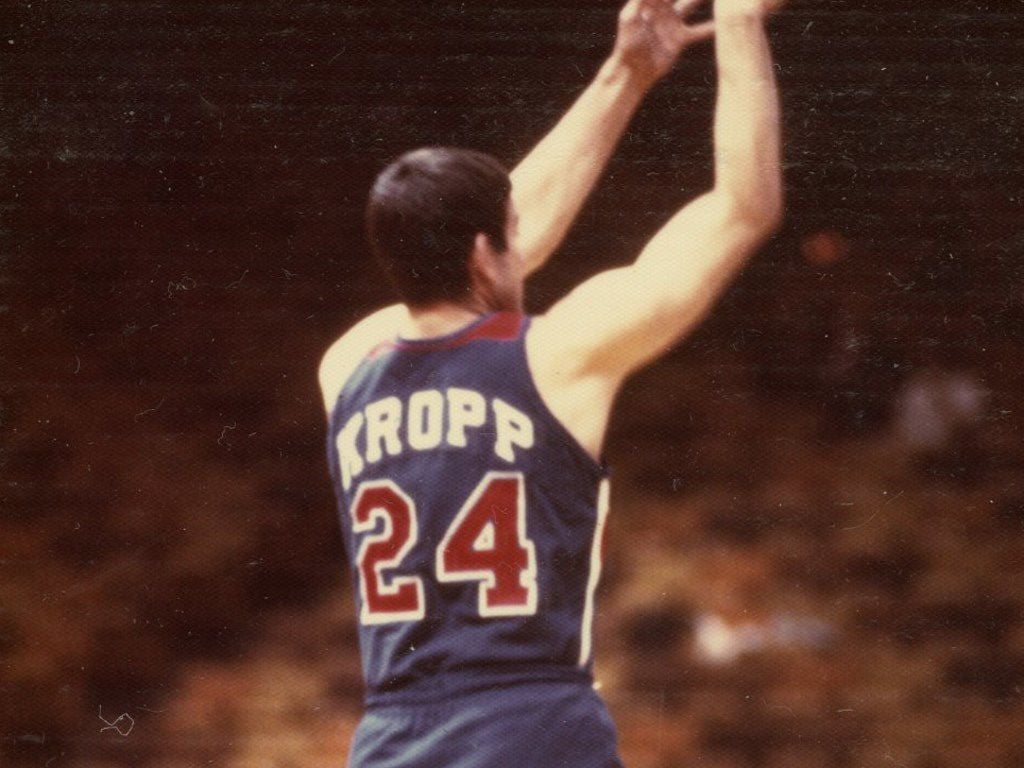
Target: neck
{"x":441,"y":319}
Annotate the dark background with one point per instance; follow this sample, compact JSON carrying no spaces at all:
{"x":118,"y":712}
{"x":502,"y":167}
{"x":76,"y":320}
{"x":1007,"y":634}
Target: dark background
{"x":181,"y":237}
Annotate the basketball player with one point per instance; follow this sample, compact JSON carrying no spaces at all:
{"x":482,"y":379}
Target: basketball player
{"x":465,"y":438}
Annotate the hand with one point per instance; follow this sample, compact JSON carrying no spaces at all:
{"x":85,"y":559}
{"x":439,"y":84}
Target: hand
{"x":746,"y":7}
{"x":652,"y":34}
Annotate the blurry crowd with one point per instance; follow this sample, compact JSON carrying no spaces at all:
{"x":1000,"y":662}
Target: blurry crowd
{"x":816,"y":556}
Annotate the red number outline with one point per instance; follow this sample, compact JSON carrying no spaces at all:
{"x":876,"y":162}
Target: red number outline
{"x":486,"y":577}
{"x":397,"y":584}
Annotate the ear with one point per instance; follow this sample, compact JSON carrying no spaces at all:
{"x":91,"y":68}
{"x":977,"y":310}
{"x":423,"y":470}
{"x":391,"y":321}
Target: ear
{"x":484,"y":269}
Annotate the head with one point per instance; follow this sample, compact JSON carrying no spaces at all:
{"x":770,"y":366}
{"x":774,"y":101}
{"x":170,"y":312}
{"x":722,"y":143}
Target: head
{"x":441,"y":223}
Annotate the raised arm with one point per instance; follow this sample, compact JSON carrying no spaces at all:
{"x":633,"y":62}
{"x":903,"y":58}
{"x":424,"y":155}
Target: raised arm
{"x":551,"y":183}
{"x":586,"y":344}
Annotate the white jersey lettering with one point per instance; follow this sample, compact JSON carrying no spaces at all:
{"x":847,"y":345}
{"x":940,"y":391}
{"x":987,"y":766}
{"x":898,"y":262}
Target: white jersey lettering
{"x":383,"y":419}
{"x":514,"y":428}
{"x":349,"y":459}
{"x":427,"y":419}
{"x":466,"y":408}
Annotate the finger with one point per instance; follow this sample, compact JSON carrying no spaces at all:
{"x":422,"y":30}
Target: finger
{"x":685,"y":7}
{"x":649,"y":9}
{"x":697,"y":32}
{"x":662,"y":9}
{"x":634,"y":9}
{"x":630,"y":8}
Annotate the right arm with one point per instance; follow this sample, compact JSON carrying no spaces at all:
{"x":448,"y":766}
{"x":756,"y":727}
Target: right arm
{"x":614,"y":323}
{"x":551,"y":183}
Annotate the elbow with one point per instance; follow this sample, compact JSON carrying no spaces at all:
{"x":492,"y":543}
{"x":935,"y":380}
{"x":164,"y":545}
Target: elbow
{"x":771,"y":215}
{"x":761,"y":214}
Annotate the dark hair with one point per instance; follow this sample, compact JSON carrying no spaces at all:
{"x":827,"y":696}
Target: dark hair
{"x":424,"y":212}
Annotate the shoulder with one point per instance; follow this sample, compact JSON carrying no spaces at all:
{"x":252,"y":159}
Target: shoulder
{"x":579,"y":398}
{"x":345,"y":354}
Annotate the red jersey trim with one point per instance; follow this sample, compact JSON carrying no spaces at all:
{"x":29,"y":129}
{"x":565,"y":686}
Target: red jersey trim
{"x":379,"y":350}
{"x":498,"y":326}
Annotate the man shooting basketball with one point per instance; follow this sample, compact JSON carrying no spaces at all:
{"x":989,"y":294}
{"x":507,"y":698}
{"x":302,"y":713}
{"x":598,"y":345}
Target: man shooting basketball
{"x":464,"y":437}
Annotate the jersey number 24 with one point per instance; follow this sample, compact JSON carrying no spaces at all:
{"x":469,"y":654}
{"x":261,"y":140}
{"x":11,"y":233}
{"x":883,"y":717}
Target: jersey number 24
{"x":485,"y":543}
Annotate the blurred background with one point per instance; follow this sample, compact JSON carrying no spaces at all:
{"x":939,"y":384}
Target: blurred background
{"x":816,"y":553}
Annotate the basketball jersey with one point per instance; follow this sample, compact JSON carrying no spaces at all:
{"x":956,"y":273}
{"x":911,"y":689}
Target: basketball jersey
{"x":472,"y":519}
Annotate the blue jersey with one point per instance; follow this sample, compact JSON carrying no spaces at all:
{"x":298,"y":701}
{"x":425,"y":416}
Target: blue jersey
{"x":472,"y":519}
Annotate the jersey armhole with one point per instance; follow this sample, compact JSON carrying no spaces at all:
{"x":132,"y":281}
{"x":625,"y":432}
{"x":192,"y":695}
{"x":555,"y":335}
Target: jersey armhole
{"x":598,"y":467}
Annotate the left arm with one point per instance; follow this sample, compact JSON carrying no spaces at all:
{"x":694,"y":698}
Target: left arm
{"x":551,"y":183}
{"x":347,"y":352}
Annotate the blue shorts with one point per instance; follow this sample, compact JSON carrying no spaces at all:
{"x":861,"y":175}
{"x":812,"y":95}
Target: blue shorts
{"x":536,"y":724}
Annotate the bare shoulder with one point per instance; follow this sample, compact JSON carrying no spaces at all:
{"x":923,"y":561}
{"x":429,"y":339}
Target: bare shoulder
{"x":345,"y":354}
{"x":576,"y":394}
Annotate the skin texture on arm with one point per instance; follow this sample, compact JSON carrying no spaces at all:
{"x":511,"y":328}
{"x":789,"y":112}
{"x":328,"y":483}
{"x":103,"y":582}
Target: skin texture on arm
{"x":587,"y":344}
{"x":552,"y":182}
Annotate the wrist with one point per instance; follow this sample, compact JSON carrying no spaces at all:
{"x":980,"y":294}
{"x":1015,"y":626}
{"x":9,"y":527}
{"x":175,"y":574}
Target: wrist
{"x":750,"y":11}
{"x":740,"y":22}
{"x":619,"y":72}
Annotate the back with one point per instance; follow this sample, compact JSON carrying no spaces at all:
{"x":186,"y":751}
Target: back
{"x":470,"y":516}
